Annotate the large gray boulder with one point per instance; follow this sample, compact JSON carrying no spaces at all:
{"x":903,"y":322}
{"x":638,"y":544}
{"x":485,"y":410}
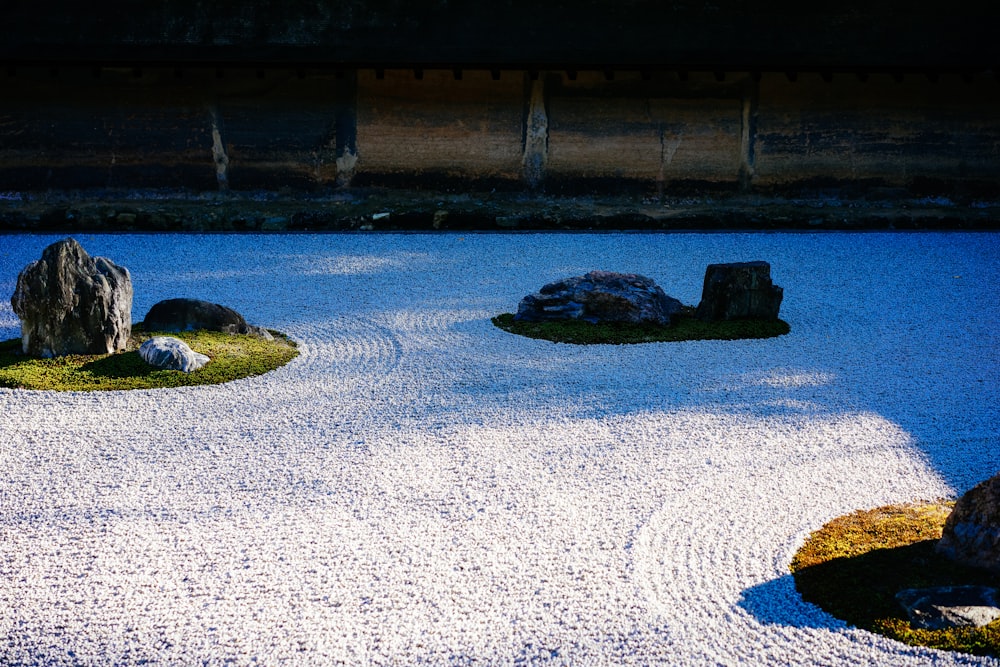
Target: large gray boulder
{"x":194,"y":314}
{"x":739,"y":291}
{"x":172,"y":354}
{"x":600,"y":296}
{"x":72,"y":303}
{"x":971,"y":533}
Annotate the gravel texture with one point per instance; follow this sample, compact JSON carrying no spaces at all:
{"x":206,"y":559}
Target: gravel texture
{"x":420,"y":487}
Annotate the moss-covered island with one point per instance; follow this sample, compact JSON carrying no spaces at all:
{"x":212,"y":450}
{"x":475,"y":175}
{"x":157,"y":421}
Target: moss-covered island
{"x":686,"y":327}
{"x":232,"y":357}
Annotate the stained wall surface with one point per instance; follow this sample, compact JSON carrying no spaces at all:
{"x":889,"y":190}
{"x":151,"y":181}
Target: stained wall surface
{"x":901,"y":131}
{"x":661,"y":130}
{"x":439,"y":126}
{"x":217,"y":128}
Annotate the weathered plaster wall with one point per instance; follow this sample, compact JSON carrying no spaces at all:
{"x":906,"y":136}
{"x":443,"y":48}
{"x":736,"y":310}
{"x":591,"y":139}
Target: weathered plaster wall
{"x":905,"y":132}
{"x":247,"y":128}
{"x":69,"y":128}
{"x":659,"y":130}
{"x":438,"y":126}
{"x":278,"y":129}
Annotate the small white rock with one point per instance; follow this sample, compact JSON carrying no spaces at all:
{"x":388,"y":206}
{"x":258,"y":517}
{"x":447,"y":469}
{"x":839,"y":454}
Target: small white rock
{"x":171,"y":354}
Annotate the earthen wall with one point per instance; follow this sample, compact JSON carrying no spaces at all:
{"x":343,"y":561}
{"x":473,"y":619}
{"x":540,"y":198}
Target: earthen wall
{"x":245,"y":128}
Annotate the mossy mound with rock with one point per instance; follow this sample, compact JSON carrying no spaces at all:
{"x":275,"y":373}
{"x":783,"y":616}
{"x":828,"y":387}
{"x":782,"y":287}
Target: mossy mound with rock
{"x":76,"y":332}
{"x":854,"y":566}
{"x":233,"y":357}
{"x":738,"y":301}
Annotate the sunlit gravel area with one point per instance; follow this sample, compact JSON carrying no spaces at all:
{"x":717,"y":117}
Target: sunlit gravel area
{"x":420,"y":487}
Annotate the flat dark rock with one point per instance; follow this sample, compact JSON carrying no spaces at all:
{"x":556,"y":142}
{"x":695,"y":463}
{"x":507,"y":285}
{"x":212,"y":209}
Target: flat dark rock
{"x":600,"y":296}
{"x":194,"y":315}
{"x":950,"y":606}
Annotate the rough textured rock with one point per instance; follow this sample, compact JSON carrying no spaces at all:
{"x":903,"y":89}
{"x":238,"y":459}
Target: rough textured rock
{"x":171,"y":354}
{"x":72,"y":303}
{"x":193,"y":314}
{"x":972,"y":531}
{"x":950,"y":606}
{"x":600,"y":296}
{"x":739,"y":291}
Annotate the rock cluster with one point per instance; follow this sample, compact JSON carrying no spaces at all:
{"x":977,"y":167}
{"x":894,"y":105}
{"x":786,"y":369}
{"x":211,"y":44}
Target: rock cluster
{"x":173,"y":354}
{"x":735,"y":291}
{"x":71,"y":303}
{"x":193,"y":314}
{"x":739,"y":291}
{"x":972,"y":531}
{"x":600,"y":296}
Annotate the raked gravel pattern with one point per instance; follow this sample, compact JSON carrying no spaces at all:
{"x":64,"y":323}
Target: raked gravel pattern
{"x":419,"y":487}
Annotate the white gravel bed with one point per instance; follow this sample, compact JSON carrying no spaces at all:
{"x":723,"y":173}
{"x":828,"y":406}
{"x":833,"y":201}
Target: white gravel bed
{"x":419,"y":487}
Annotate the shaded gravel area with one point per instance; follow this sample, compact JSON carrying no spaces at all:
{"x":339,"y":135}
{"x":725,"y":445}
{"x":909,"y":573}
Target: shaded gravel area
{"x":420,"y":487}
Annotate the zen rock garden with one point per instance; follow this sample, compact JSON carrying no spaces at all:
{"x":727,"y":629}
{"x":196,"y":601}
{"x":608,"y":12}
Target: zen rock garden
{"x":71,"y":303}
{"x":736,"y":291}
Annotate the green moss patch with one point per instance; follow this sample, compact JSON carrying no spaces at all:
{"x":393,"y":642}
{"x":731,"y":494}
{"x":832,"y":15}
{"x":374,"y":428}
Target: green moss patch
{"x":853,"y":567}
{"x":232,"y":357}
{"x":685,"y":327}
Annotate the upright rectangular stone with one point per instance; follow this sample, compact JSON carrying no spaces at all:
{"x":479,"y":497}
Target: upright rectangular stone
{"x":739,"y":291}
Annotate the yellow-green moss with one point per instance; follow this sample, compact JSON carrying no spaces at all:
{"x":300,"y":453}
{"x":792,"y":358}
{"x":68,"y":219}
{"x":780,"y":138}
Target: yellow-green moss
{"x":854,"y":565}
{"x":232,"y":357}
{"x":686,"y":327}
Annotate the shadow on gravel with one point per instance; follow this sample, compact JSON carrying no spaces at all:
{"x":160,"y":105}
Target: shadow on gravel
{"x":777,"y":602}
